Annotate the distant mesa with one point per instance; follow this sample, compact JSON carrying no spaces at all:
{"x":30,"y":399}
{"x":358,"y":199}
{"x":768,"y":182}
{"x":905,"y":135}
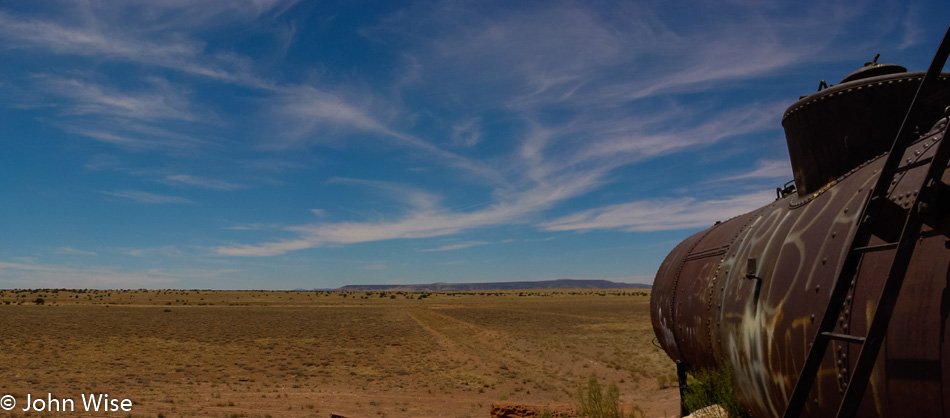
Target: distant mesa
{"x":456,"y":287}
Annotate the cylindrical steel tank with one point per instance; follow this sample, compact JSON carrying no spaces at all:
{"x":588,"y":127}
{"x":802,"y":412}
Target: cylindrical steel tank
{"x":708,"y":311}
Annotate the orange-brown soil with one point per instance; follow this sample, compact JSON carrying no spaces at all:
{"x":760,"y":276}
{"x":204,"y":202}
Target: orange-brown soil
{"x":257,"y":354}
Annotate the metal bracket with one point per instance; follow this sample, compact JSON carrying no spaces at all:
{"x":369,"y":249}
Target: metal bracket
{"x":750,"y":274}
{"x":933,"y":206}
{"x":786,"y":190}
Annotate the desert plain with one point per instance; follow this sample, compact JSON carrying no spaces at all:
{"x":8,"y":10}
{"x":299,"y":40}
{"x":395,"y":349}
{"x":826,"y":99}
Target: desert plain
{"x":183,"y":353}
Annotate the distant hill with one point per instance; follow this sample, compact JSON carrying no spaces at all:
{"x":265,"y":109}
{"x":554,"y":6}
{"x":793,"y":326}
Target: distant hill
{"x":456,"y":287}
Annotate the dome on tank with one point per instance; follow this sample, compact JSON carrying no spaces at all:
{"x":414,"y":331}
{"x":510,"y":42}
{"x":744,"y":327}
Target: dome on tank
{"x":831,"y":132}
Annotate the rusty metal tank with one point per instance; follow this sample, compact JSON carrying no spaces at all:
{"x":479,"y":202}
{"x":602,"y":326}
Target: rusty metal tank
{"x":708,"y":313}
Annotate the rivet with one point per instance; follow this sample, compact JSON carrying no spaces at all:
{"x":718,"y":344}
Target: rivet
{"x":824,"y":260}
{"x":845,"y":210}
{"x":834,"y":234}
{"x":817,"y":288}
{"x":812,"y":317}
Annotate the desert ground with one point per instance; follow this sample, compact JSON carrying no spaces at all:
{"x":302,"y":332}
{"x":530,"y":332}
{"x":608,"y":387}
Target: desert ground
{"x":360,"y":354}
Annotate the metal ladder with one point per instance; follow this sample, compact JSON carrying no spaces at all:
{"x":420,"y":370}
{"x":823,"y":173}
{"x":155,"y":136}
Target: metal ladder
{"x":877,"y":205}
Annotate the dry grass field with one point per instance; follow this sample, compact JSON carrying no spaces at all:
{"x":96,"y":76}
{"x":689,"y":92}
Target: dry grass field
{"x":362,"y":354}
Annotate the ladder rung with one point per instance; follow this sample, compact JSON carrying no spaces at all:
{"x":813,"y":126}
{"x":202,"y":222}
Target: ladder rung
{"x":880,"y":247}
{"x":844,"y":337}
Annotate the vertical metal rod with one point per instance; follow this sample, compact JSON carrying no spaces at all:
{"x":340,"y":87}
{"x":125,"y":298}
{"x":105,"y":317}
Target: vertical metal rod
{"x":681,"y":377}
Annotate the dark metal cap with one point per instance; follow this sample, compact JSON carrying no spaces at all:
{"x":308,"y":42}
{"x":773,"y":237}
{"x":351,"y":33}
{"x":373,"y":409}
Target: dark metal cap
{"x":873,"y":69}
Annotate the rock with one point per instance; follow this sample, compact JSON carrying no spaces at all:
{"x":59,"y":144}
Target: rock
{"x":518,"y":410}
{"x":711,"y":411}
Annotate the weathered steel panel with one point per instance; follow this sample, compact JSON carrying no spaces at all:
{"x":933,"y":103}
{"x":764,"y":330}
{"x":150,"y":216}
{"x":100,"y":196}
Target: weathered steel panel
{"x":710,"y":310}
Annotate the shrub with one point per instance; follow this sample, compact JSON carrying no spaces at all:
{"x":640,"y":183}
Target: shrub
{"x":592,"y":402}
{"x":714,"y":387}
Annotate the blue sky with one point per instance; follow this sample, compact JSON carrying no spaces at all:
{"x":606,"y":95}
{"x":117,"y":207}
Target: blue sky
{"x":282,"y":144}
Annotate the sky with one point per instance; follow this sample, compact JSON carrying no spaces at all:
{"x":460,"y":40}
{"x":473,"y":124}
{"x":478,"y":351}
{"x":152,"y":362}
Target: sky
{"x":281,"y":144}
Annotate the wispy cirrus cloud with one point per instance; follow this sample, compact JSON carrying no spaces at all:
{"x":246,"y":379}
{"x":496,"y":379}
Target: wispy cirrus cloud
{"x":32,"y":275}
{"x":26,"y":275}
{"x":457,"y":246}
{"x":660,"y":214}
{"x":162,"y":251}
{"x":765,"y":168}
{"x":201,"y":182}
{"x":423,"y":222}
{"x":150,"y":44}
{"x":139,"y":196}
{"x":162,"y":101}
{"x":73,"y":251}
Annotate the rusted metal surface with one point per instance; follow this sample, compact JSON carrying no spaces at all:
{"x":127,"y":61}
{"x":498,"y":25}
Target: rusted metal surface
{"x":709,"y":311}
{"x":829,"y":133}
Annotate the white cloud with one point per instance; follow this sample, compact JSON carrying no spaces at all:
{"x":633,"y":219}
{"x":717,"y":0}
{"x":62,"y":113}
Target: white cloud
{"x":416,"y":198}
{"x":145,"y":197}
{"x":512,"y":209}
{"x":458,"y":246}
{"x":162,"y":101}
{"x":660,"y":214}
{"x":29,"y":275}
{"x":254,"y":227}
{"x":202,"y":182}
{"x":162,"y":251}
{"x":765,"y":168}
{"x":467,"y":133}
{"x":73,"y":251}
